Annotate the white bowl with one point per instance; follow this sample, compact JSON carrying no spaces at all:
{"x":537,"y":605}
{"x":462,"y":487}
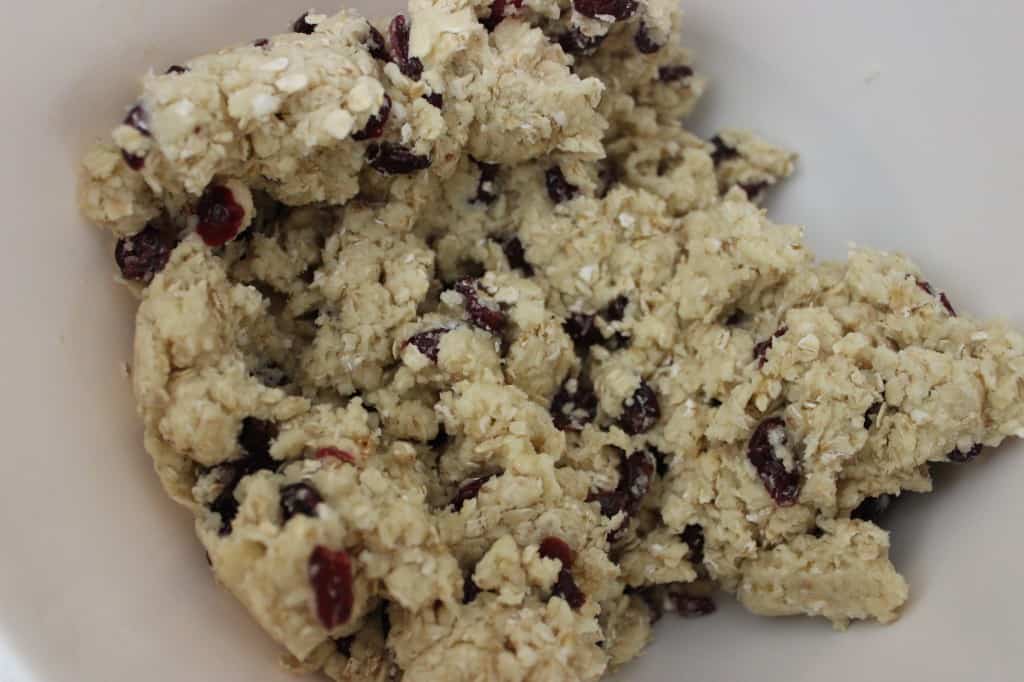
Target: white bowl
{"x":907,"y":117}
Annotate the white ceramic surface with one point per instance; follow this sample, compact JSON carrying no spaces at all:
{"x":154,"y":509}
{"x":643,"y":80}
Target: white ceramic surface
{"x":906,"y":114}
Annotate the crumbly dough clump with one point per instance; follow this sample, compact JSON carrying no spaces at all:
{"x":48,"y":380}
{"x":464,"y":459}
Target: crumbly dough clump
{"x":470,"y":359}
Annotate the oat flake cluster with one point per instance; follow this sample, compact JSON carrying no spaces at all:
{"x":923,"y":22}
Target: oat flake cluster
{"x":471,"y":361}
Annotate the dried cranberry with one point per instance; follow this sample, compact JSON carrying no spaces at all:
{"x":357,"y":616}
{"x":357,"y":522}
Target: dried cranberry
{"x":762,"y":451}
{"x":468,"y":491}
{"x":394,"y":159}
{"x":761,"y":349}
{"x":641,"y":411}
{"x":428,"y":342}
{"x":619,"y":9}
{"x":961,"y":457}
{"x":557,"y":548}
{"x":871,"y":414}
{"x":261,"y":42}
{"x":616,"y":310}
{"x":470,"y":590}
{"x":256,"y":436}
{"x":344,"y":645}
{"x":138,"y":118}
{"x":299,"y":498}
{"x":335,"y":453}
{"x":398,"y":33}
{"x":693,"y":536}
{"x":375,"y":126}
{"x":559,"y":189}
{"x":582,"y":329}
{"x":302,"y":25}
{"x":636,"y":475}
{"x":482,"y":315}
{"x":485,"y":188}
{"x":220,"y":216}
{"x":254,"y":439}
{"x":516,"y":255}
{"x":611,"y":502}
{"x":946,"y":304}
{"x":722,"y":151}
{"x":872,"y":508}
{"x":566,"y":588}
{"x":577,"y":43}
{"x":571,"y":410}
{"x":497,"y":14}
{"x":674,"y":73}
{"x":693,"y":607}
{"x":375,"y":44}
{"x":330,"y":572}
{"x":436,"y":99}
{"x":141,"y":256}
{"x":926,"y":287}
{"x":644,"y":42}
{"x":176,"y":69}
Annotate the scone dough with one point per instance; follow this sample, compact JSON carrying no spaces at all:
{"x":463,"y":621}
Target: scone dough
{"x":469,"y":358}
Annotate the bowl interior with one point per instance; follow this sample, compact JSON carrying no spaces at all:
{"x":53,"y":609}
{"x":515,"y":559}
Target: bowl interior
{"x":907,"y":130}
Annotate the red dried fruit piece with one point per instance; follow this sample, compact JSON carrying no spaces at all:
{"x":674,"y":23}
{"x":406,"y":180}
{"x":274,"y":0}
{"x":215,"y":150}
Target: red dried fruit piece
{"x":497,"y":15}
{"x":468,"y":491}
{"x":582,"y":329}
{"x":141,"y":256}
{"x":722,"y":151}
{"x":616,"y":310}
{"x":480,"y":314}
{"x":693,"y":536}
{"x":220,"y":216}
{"x":575,"y":42}
{"x":436,"y":99}
{"x":485,"y":187}
{"x":330,"y":572}
{"x":559,"y":189}
{"x":134,"y":161}
{"x":557,"y":548}
{"x":394,"y":159}
{"x":260,"y":42}
{"x":375,"y":126}
{"x":674,"y":73}
{"x":643,"y":41}
{"x":761,"y":349}
{"x":335,"y":453}
{"x":375,"y":44}
{"x":398,"y":35}
{"x":641,"y":411}
{"x":428,"y":342}
{"x":961,"y":457}
{"x":254,"y":438}
{"x":299,"y":498}
{"x":928,"y":289}
{"x":176,"y":69}
{"x":516,"y":255}
{"x":565,"y":586}
{"x":782,"y":484}
{"x":618,"y":9}
{"x":302,"y":25}
{"x":571,"y":410}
